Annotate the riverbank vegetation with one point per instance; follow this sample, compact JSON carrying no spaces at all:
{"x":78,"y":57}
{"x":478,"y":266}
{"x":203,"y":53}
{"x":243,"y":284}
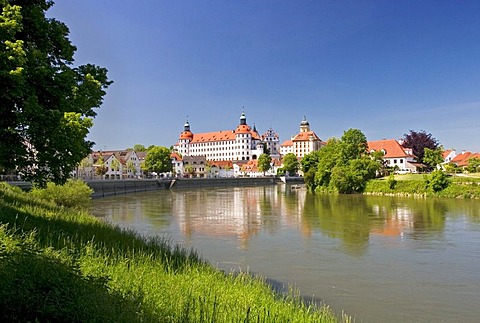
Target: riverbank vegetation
{"x":436,"y":184}
{"x":62,"y":264}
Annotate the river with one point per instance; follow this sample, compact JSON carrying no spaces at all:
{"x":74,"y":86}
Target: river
{"x":378,"y":259}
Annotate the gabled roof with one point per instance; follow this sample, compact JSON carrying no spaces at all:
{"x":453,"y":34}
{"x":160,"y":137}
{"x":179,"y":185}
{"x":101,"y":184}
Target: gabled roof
{"x":175,"y":156}
{"x":220,"y":163}
{"x":250,"y":166}
{"x":305,"y":136}
{"x":463,"y":158}
{"x":390,"y":147}
{"x":446,"y":153}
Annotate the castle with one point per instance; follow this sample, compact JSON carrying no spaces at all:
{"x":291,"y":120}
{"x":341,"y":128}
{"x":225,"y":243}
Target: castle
{"x":242,"y":144}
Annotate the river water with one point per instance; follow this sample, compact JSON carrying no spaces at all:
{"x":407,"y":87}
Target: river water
{"x":378,"y":259}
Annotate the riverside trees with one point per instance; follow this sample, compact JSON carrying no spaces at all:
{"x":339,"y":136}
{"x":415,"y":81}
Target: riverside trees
{"x":47,"y":105}
{"x":342,"y":165}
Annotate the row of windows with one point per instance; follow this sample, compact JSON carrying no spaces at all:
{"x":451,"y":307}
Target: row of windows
{"x":395,"y":161}
{"x":216,"y":148}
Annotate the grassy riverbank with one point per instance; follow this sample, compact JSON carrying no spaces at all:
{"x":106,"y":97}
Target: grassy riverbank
{"x":58,"y":264}
{"x":415,"y":185}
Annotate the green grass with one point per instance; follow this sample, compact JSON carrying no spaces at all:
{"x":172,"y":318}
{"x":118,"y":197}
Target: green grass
{"x":60,"y":264}
{"x":414,"y":185}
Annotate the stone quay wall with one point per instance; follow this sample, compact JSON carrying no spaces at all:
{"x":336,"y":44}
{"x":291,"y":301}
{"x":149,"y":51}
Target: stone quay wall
{"x":102,"y":188}
{"x":184,"y":183}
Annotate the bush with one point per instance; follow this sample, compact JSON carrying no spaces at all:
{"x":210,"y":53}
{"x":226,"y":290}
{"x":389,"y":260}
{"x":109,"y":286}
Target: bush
{"x":437,"y":181}
{"x":392,"y":182}
{"x":74,"y":193}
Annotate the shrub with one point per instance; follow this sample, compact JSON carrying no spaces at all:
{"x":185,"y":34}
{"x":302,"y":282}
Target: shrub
{"x":437,"y":181}
{"x":74,"y":193}
{"x":391,"y":181}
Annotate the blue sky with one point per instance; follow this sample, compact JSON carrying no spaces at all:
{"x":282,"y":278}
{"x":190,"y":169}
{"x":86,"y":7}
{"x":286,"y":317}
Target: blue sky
{"x":383,"y":67}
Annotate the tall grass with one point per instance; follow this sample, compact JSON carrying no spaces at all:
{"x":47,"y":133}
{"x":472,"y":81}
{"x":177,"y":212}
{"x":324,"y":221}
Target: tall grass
{"x":458,"y":187}
{"x":60,"y":264}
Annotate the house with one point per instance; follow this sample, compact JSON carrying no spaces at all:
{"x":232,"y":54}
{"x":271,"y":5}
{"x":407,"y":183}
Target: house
{"x":303,"y":143}
{"x":396,"y":156}
{"x":177,"y":164}
{"x":194,"y":166}
{"x":113,"y":164}
{"x":222,"y":168}
{"x":462,"y":160}
{"x":448,"y":155}
{"x":286,"y":147}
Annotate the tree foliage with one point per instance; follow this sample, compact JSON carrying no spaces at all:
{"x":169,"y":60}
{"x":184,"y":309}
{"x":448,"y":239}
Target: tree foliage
{"x":47,"y":105}
{"x":158,"y":160}
{"x":264,"y":163}
{"x":432,"y":157}
{"x":290,"y":164}
{"x":437,"y":181}
{"x":343,"y":165}
{"x":418,"y":141}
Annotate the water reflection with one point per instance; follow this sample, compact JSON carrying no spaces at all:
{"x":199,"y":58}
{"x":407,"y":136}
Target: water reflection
{"x":378,"y":258}
{"x":244,"y":212}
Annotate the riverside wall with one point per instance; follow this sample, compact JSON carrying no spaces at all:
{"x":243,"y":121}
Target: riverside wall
{"x":184,"y":183}
{"x":102,"y":188}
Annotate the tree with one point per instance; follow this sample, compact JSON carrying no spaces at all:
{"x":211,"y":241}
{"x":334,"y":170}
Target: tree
{"x":131,"y":168}
{"x":437,"y":181}
{"x":418,"y":141}
{"x":139,"y":148}
{"x":115,"y":166}
{"x":473,"y":165}
{"x":432,"y":157}
{"x":158,"y":160}
{"x":47,"y":105}
{"x":310,"y":161}
{"x":353,"y":145}
{"x":290,"y":163}
{"x":264,"y":163}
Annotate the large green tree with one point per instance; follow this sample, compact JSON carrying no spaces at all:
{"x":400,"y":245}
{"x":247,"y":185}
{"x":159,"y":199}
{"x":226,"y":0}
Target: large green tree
{"x":46,"y":104}
{"x":158,"y":160}
{"x":290,"y":163}
{"x":344,"y":165}
{"x":264,"y":163}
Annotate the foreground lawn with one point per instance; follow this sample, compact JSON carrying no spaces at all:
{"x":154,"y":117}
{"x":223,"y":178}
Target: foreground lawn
{"x":58,"y":264}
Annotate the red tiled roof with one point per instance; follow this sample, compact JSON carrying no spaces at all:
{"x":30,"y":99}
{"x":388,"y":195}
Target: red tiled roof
{"x":186,"y":135}
{"x":287,"y":143}
{"x":175,"y":156}
{"x":250,"y":166}
{"x":391,"y":148}
{"x":446,"y":153}
{"x":305,"y":136}
{"x":225,"y":135}
{"x":220,"y":163}
{"x":463,"y":158}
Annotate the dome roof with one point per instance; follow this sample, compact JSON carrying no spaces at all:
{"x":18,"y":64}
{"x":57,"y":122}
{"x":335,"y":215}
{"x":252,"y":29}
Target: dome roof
{"x":304,"y":121}
{"x":186,"y":135}
{"x":242,"y":128}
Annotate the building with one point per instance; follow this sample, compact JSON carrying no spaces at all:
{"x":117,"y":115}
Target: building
{"x":396,"y":156}
{"x":303,"y":143}
{"x":239,"y":145}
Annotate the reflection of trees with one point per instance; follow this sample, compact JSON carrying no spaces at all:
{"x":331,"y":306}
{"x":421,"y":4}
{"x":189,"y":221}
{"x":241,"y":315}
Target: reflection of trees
{"x":423,"y":218}
{"x":353,"y":218}
{"x":340,"y":216}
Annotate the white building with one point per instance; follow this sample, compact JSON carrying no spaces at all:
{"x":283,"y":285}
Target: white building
{"x":302,"y":143}
{"x":241,"y":144}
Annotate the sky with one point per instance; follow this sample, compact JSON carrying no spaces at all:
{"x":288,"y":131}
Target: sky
{"x":384,"y":67}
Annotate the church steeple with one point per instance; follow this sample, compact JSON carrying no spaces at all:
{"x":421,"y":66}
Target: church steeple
{"x":243,"y":119}
{"x":304,"y":125}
